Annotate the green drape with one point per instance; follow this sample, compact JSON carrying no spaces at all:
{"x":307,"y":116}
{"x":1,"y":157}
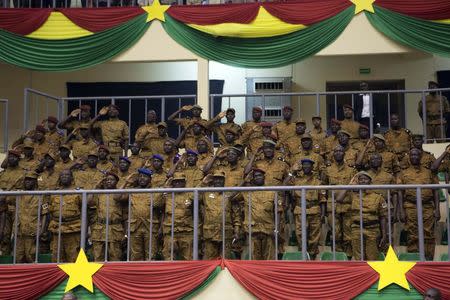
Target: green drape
{"x":391,"y":292}
{"x":427,"y":36}
{"x":79,"y":291}
{"x":260,"y":52}
{"x":72,"y":54}
{"x":204,"y":285}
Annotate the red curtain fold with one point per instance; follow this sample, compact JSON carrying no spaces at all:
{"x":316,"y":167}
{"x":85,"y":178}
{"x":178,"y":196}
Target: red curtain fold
{"x":429,"y":9}
{"x":303,"y":280}
{"x":214,"y":14}
{"x":306,"y":12}
{"x":23,"y":21}
{"x":153,"y":280}
{"x":29,"y":281}
{"x":99,"y":19}
{"x":425,"y":275}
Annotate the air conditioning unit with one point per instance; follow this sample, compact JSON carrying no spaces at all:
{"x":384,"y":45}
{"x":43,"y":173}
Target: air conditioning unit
{"x":263,"y":89}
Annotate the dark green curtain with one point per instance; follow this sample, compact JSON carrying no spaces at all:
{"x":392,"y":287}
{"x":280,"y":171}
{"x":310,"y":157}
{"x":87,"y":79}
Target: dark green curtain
{"x":260,"y":52}
{"x":391,"y":292}
{"x":427,"y":36}
{"x":71,"y":54}
{"x":79,"y":291}
{"x":204,"y":285}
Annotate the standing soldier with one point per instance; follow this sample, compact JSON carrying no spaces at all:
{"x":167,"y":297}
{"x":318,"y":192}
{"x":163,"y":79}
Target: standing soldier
{"x":170,"y":153}
{"x":231,"y":166}
{"x":331,"y":141}
{"x":378,"y":144}
{"x":339,"y":173}
{"x":76,"y":118}
{"x":307,"y":151}
{"x":68,"y":209}
{"x":30,"y":220}
{"x":437,"y":108}
{"x":29,"y":162}
{"x":83,"y":145}
{"x":292,"y":144}
{"x":251,"y":131}
{"x":315,"y":206}
{"x":398,"y":139}
{"x":417,"y":174}
{"x":222,"y":128}
{"x":350,"y":153}
{"x":114,"y":132}
{"x":285,"y":128}
{"x":124,"y":170}
{"x":204,"y":153}
{"x":136,"y":160}
{"x":186,"y":123}
{"x":374,"y":212}
{"x":318,"y":134}
{"x":147,"y":132}
{"x":156,"y":144}
{"x":214,"y":206}
{"x":178,"y":209}
{"x":41,"y":146}
{"x":89,"y":176}
{"x":427,"y":158}
{"x":104,"y":162}
{"x":64,"y":162}
{"x":108,"y":214}
{"x":188,"y":165}
{"x":50,"y":176}
{"x":53,"y":136}
{"x":364,"y":136}
{"x":348,"y":124}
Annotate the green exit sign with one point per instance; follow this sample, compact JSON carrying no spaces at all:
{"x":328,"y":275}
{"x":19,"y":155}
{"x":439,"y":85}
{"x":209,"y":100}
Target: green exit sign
{"x":364,"y":70}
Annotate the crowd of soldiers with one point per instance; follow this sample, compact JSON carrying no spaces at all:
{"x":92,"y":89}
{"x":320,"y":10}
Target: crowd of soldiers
{"x":94,"y":155}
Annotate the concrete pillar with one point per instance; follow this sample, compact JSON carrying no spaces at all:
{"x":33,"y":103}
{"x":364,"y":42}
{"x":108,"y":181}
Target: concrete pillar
{"x":203,"y":86}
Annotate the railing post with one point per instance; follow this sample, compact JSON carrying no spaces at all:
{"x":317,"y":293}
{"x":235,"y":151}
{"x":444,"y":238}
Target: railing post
{"x":420,"y":223}
{"x":5,"y":126}
{"x":303,"y":222}
{"x":83,"y":220}
{"x":333,"y":225}
{"x":195,"y":244}
{"x":361,"y":226}
{"x":424,"y":117}
{"x":318,"y":104}
{"x":276,"y":225}
{"x":25,"y":110}
{"x":371,"y":114}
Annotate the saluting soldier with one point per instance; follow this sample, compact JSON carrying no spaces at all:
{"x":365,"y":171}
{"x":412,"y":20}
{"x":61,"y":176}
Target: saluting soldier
{"x":221,"y":129}
{"x":84,"y":144}
{"x":76,"y":118}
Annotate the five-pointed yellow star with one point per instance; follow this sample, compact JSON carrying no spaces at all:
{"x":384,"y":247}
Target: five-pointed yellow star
{"x":80,"y":272}
{"x":156,"y":11}
{"x":361,"y":5}
{"x":392,"y":270}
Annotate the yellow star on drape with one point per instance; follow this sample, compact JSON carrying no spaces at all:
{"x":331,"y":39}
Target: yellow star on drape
{"x":80,"y":272}
{"x":362,"y":5}
{"x":392,"y":270}
{"x":156,"y":11}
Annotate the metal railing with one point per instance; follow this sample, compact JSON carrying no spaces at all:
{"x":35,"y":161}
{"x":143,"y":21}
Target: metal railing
{"x":37,"y":106}
{"x":194,"y":207}
{"x":338,"y":96}
{"x":4,"y":104}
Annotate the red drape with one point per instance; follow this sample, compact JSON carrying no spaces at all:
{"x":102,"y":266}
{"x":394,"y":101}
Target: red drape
{"x":22,"y":21}
{"x":426,"y":275}
{"x":306,"y":12}
{"x":154,"y":280}
{"x":303,"y":280}
{"x":423,"y":9}
{"x":29,"y":281}
{"x":214,"y":14}
{"x":99,"y":19}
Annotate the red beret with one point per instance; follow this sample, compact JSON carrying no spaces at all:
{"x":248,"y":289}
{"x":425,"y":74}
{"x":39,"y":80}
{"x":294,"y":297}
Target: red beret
{"x":85,"y":107}
{"x":113,"y":105}
{"x":14,"y":152}
{"x":287,"y":107}
{"x":335,"y":121}
{"x":52,"y":119}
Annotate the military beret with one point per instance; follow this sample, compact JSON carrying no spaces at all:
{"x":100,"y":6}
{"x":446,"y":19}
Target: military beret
{"x":232,"y":131}
{"x":103,"y":147}
{"x":269,"y":142}
{"x":41,"y":128}
{"x":157,"y":156}
{"x":306,"y":136}
{"x":433,"y":82}
{"x":380,"y":137}
{"x":93,"y":153}
{"x":365,"y":174}
{"x":179,"y":176}
{"x":145,"y":171}
{"x":113,"y":106}
{"x":85,"y":107}
{"x":348,"y":106}
{"x":28,"y":144}
{"x":363,"y":126}
{"x":300,"y":121}
{"x":219,"y":174}
{"x":125,"y":159}
{"x":335,"y":121}
{"x":304,"y":160}
{"x":52,"y":119}
{"x":316,"y":117}
{"x":231,"y":109}
{"x":14,"y":152}
{"x":162,"y":124}
{"x":189,"y":151}
{"x":344,"y":132}
{"x":265,"y":124}
{"x":257,"y":108}
{"x":110,"y":173}
{"x":65,"y":146}
{"x":31,"y":174}
{"x":84,"y":126}
{"x":287,"y":107}
{"x":197,"y":106}
{"x":258,"y":170}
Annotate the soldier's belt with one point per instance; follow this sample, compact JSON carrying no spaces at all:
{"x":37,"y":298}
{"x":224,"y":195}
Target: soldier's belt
{"x":111,"y":222}
{"x":68,"y":219}
{"x":367,"y":223}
